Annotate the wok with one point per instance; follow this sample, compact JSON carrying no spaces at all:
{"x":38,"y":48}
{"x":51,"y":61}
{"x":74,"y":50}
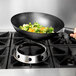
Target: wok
{"x":44,"y":19}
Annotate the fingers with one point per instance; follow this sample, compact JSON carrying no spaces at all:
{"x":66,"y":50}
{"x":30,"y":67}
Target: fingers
{"x":75,"y":30}
{"x":71,"y":35}
{"x":74,"y":35}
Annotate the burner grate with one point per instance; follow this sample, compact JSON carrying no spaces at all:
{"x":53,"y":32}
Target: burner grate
{"x":4,"y":48}
{"x":63,"y":56}
{"x":61,"y":50}
{"x":14,"y":64}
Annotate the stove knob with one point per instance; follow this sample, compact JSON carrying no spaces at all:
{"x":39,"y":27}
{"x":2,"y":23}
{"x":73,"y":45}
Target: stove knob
{"x":30,"y":59}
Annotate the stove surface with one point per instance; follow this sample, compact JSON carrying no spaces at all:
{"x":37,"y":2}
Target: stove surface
{"x":61,"y":51}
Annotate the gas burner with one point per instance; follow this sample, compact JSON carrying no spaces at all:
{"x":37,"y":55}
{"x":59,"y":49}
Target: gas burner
{"x":24,"y":43}
{"x":31,"y":53}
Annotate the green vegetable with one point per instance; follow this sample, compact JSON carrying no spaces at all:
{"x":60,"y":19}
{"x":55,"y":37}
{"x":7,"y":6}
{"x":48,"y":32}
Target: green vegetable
{"x":37,"y":28}
{"x":51,"y":30}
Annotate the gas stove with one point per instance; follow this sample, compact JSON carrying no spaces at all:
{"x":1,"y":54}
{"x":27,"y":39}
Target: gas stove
{"x":61,"y":51}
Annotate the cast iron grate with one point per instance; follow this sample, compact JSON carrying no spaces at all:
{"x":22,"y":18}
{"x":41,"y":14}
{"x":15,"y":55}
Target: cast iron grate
{"x":63,"y":54}
{"x":61,"y":50}
{"x":17,"y":39}
{"x":4,"y":48}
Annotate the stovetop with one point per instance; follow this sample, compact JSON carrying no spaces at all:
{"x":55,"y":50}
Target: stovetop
{"x":61,"y":50}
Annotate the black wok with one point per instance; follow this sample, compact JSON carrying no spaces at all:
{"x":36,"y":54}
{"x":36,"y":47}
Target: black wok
{"x":42,"y":18}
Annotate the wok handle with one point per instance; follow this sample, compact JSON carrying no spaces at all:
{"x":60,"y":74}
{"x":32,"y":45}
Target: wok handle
{"x":68,"y":30}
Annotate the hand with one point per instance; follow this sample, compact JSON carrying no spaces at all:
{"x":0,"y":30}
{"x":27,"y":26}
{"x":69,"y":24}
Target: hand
{"x":74,"y":34}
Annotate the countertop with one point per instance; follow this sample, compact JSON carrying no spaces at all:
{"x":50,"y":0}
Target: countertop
{"x":39,"y":72}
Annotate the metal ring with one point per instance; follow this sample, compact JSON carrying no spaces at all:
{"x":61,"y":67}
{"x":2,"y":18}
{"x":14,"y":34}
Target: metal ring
{"x":31,"y":59}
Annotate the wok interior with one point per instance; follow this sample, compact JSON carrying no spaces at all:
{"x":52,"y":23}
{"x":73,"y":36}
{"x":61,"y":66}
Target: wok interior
{"x":31,"y":49}
{"x":42,"y":18}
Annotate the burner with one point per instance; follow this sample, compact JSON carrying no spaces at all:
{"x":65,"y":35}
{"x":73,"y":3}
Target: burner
{"x":31,"y":53}
{"x":24,"y":43}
